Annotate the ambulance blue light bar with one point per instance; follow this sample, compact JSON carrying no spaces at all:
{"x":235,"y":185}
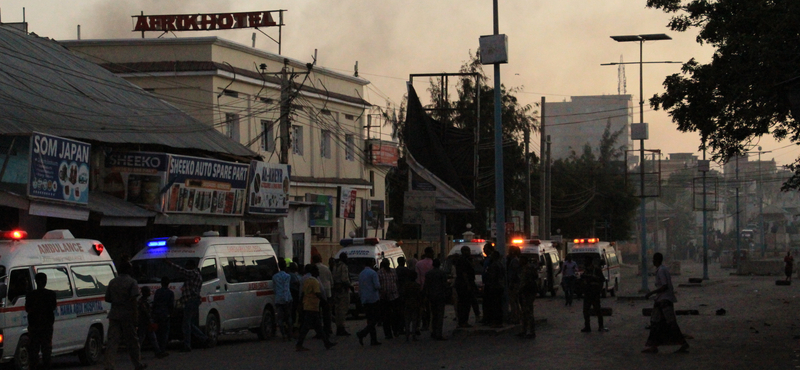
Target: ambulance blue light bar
{"x":173,"y":241}
{"x":359,"y":241}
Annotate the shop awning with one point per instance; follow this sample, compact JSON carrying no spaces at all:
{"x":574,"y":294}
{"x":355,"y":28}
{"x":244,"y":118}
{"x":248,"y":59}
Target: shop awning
{"x":447,"y":198}
{"x":117,"y":212}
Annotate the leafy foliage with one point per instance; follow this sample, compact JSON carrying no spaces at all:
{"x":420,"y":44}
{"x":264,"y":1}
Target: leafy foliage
{"x":735,"y":99}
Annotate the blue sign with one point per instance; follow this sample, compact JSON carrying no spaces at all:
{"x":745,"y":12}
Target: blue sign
{"x":59,"y":169}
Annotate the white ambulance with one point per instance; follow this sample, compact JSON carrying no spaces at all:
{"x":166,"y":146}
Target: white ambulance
{"x":237,"y":275}
{"x":602,"y":254}
{"x":78,"y":270}
{"x":547,"y":257}
{"x":363,"y":251}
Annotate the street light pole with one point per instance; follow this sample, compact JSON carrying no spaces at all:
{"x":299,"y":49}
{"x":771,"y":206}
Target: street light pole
{"x":643,"y":218}
{"x":499,"y":192}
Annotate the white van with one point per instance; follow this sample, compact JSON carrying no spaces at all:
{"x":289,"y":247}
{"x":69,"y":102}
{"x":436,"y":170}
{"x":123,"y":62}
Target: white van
{"x":546,"y":255}
{"x":476,"y":251}
{"x":78,"y":270}
{"x":237,"y":280}
{"x":601,"y":253}
{"x":361,"y":251}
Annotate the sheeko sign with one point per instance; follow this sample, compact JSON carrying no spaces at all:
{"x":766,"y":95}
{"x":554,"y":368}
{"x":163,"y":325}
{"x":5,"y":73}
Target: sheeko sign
{"x":205,"y":22}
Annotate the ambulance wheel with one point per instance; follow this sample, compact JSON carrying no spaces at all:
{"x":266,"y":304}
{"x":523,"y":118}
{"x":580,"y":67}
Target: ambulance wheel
{"x":267,"y":328}
{"x":212,"y":330}
{"x":92,"y":350}
{"x":21,"y":360}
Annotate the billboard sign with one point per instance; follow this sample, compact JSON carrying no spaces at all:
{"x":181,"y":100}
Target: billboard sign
{"x":205,"y":186}
{"x":269,"y":188}
{"x":321,"y":215}
{"x":59,"y":169}
{"x":136,"y":177}
{"x":346,"y":207}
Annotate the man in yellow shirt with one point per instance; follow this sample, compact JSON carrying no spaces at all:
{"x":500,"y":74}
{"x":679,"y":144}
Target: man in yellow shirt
{"x":312,"y":295}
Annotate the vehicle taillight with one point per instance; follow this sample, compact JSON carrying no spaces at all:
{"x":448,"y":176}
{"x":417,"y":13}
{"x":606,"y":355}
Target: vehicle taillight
{"x":98,"y":248}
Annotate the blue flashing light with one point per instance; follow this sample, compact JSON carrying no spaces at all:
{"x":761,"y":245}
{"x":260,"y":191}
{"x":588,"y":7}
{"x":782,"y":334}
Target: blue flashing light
{"x":345,"y":242}
{"x":160,"y":242}
{"x":158,"y":251}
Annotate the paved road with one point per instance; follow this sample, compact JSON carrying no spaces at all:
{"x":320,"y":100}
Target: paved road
{"x":756,"y":333}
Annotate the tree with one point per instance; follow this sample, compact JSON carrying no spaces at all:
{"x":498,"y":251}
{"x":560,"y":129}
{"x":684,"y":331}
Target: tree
{"x":590,"y":196}
{"x":735,"y":99}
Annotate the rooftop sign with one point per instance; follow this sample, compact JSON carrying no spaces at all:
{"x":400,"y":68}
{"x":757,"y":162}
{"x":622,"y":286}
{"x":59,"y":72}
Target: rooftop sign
{"x":205,"y":22}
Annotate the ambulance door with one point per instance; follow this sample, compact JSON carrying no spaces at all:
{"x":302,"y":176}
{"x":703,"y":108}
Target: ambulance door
{"x":16,"y":319}
{"x":68,"y":329}
{"x":211,"y":288}
{"x":233,"y":305}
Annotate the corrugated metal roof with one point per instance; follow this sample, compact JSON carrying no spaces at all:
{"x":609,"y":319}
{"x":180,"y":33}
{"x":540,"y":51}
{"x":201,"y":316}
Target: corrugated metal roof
{"x":45,"y":88}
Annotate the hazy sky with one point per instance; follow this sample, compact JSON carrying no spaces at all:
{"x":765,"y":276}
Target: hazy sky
{"x":555,"y":47}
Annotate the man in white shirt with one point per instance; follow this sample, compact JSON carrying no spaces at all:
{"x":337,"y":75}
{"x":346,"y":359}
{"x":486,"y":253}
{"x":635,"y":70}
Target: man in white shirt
{"x":568,"y":281}
{"x":664,"y":328}
{"x":326,"y":279}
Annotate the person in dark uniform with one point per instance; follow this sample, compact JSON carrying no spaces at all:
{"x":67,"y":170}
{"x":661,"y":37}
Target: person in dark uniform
{"x":592,"y":280}
{"x":40,"y":305}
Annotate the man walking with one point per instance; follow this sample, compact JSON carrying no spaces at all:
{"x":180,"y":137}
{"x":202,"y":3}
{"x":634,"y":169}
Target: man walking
{"x":493,"y":288}
{"x":569,"y":278}
{"x":191,"y":304}
{"x":283,"y":300}
{"x":369,"y":290}
{"x":390,"y":298}
{"x":122,"y":293}
{"x":312,"y":296}
{"x":592,"y":280}
{"x":436,"y":289}
{"x":40,"y":305}
{"x":664,"y":328}
{"x":341,"y":293}
{"x":512,"y":281}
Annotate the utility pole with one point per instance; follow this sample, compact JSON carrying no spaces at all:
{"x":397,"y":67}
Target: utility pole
{"x":548,"y":191}
{"x":542,"y":175}
{"x":738,"y":231}
{"x":527,"y":220}
{"x":285,"y":108}
{"x":500,"y":195}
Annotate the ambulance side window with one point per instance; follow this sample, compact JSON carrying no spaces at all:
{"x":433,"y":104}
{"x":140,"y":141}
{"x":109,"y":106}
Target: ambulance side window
{"x":19,"y":284}
{"x":91,"y":279}
{"x":260,"y":268}
{"x":233,"y":267}
{"x":58,"y":281}
{"x":209,"y":269}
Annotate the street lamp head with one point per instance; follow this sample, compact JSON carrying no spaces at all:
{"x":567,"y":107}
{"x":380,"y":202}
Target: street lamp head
{"x":648,"y":37}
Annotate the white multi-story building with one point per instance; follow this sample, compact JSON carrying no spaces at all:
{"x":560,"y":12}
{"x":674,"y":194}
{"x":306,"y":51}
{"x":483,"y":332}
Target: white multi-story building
{"x":573,"y":124}
{"x":237,"y":89}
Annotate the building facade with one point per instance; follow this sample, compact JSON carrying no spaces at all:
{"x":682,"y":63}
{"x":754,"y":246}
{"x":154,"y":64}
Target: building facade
{"x":244,"y":93}
{"x":582,"y":121}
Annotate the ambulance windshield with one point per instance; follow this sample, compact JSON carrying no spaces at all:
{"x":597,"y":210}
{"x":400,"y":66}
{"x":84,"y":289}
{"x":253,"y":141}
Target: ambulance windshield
{"x":356,"y":265}
{"x":152,"y":270}
{"x":580,"y":258}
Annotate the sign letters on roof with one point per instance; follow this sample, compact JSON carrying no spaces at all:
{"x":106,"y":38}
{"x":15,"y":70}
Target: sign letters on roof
{"x":204,"y":22}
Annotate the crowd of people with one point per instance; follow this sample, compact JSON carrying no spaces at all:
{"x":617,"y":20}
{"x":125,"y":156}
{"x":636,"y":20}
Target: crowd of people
{"x":405,"y":300}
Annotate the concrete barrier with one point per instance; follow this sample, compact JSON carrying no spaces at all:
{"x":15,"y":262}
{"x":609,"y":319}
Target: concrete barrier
{"x":761,"y":267}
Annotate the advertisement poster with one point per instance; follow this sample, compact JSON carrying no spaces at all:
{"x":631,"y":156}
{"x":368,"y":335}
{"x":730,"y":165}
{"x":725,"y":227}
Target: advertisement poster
{"x":59,"y":169}
{"x":373,"y":214}
{"x":136,"y":177}
{"x":346,"y":207}
{"x":320,"y":215}
{"x":205,"y":186}
{"x":269,"y":188}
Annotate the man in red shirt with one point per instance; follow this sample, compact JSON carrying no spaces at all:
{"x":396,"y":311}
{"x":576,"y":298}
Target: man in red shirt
{"x":422,"y":267}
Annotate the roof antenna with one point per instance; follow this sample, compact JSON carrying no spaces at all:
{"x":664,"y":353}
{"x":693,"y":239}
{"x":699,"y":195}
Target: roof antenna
{"x":356,"y":69}
{"x":79,"y":32}
{"x":254,"y":40}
